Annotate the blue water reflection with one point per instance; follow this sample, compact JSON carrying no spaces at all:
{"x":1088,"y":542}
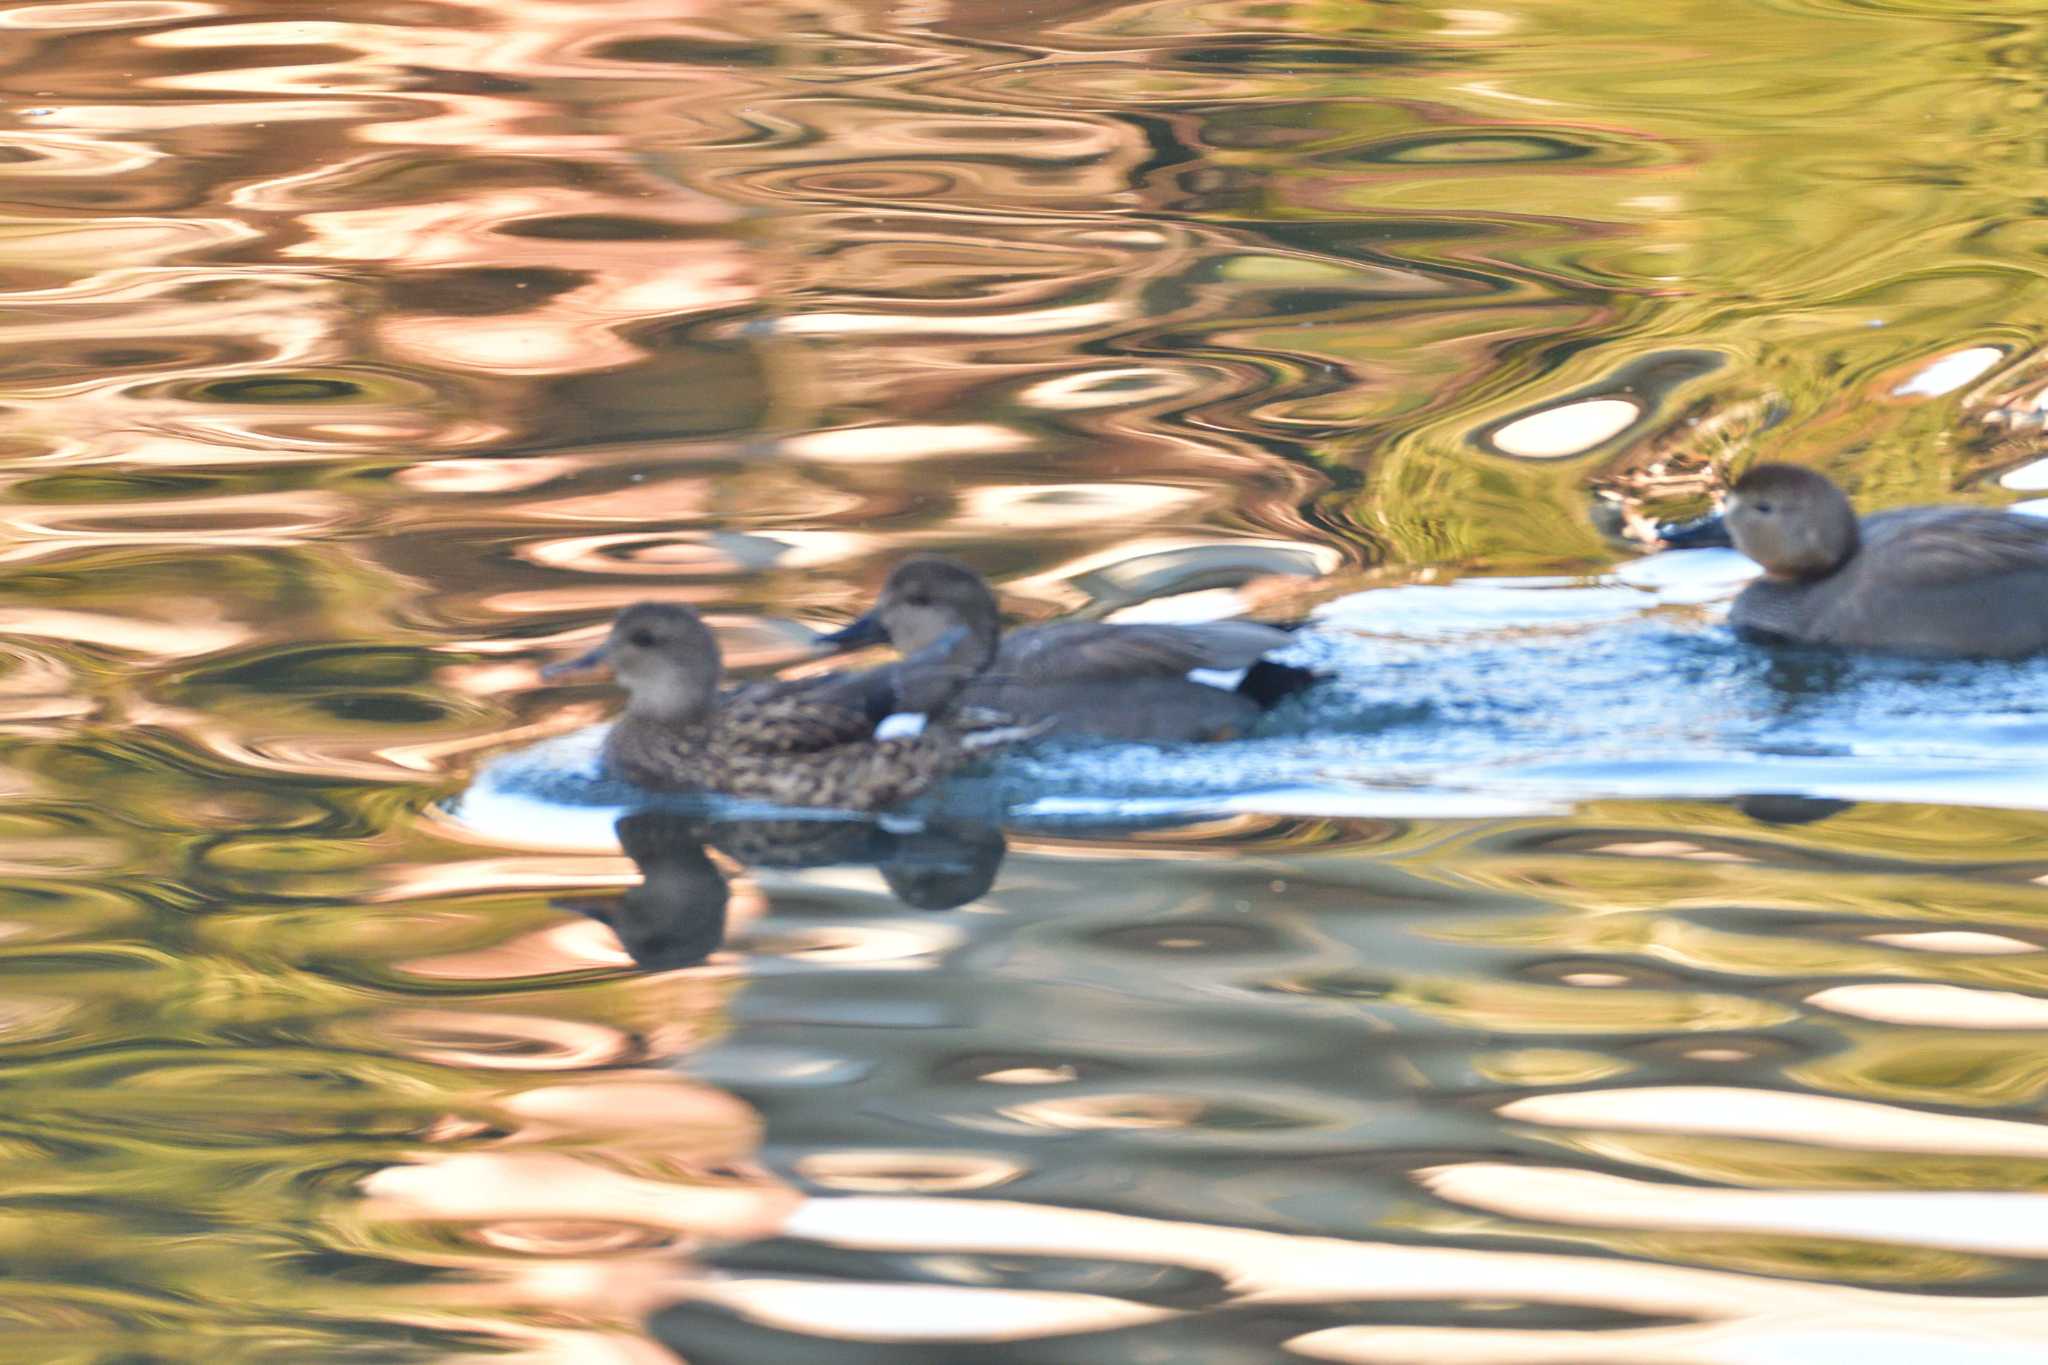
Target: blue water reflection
{"x":1566,"y":982}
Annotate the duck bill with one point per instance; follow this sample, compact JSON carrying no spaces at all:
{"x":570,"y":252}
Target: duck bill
{"x":1697,"y":534}
{"x":600,"y":657}
{"x":857,"y":634}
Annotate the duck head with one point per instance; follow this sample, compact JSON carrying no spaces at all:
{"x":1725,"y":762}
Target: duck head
{"x":925,"y":600}
{"x":665,"y":657}
{"x":1793,"y":521}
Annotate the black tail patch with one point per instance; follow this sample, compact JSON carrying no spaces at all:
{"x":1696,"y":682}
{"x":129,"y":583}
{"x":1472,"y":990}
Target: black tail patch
{"x":1269,"y":684}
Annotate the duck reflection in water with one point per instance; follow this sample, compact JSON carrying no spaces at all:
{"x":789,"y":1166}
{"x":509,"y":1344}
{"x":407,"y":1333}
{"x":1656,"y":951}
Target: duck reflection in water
{"x":1787,"y":809}
{"x":676,"y":917}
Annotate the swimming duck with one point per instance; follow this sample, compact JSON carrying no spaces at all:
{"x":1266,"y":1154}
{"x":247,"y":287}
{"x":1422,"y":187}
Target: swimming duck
{"x":1139,"y":682}
{"x":822,"y":741}
{"x":1967,"y":581}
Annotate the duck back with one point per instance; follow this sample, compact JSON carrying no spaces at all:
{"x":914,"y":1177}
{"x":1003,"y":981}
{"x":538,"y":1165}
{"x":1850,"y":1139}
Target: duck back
{"x":1131,"y":682}
{"x":791,"y":751}
{"x":1942,"y":581}
{"x":1154,"y":710}
{"x":1066,"y":651}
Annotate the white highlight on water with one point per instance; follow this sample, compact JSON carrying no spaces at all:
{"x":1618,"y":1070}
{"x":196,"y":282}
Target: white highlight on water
{"x":1949,"y":373}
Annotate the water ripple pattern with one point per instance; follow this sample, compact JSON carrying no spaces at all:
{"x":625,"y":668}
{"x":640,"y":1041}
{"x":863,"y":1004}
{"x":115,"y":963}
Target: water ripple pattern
{"x":1566,"y":983}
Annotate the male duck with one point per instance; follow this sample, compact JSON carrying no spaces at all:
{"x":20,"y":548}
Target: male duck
{"x":1917,"y":580}
{"x":804,"y":742}
{"x":1136,"y":682}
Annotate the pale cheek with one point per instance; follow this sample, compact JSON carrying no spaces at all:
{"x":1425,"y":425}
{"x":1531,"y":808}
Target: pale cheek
{"x":919,"y":629}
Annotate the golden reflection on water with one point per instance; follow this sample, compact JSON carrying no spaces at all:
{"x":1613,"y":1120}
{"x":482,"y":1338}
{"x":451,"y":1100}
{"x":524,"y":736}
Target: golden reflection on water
{"x":356,"y":362}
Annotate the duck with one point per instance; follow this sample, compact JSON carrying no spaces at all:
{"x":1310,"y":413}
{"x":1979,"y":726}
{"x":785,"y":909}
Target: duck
{"x":1143,"y":683}
{"x":1959,"y":582}
{"x":829,"y":741}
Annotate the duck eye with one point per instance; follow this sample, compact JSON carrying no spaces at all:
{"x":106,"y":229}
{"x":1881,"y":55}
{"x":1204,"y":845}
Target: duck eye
{"x":1764,"y":508}
{"x":918,"y":599}
{"x":643,"y":638}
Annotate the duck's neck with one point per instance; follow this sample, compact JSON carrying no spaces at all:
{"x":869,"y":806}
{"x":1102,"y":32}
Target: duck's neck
{"x":672,"y":700}
{"x":929,"y":678}
{"x":1851,"y":543}
{"x":974,"y":649}
{"x":1835,"y":541}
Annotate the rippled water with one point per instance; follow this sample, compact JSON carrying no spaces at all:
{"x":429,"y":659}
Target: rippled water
{"x":1564,"y":983}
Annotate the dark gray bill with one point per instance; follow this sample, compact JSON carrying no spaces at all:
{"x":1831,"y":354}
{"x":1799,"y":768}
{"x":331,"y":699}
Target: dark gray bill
{"x":582,"y":663}
{"x":862,"y":631}
{"x":1697,"y":534}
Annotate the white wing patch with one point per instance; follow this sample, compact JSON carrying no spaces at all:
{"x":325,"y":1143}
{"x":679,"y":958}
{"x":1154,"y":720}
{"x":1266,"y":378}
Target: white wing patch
{"x":902,"y":725}
{"x":1225,"y":678}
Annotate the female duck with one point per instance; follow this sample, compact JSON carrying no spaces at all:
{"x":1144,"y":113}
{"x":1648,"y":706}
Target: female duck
{"x":1109,"y":681}
{"x":808,"y":742}
{"x":1965,"y":581}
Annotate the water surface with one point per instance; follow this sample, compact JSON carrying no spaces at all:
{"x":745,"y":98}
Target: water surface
{"x":1566,"y":982}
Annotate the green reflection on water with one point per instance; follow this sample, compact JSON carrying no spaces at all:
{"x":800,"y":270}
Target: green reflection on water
{"x":352,"y":366}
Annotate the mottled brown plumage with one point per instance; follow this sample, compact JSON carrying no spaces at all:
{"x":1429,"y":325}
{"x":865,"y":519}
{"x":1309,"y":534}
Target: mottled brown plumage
{"x":793,"y":752}
{"x":807,"y":743}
